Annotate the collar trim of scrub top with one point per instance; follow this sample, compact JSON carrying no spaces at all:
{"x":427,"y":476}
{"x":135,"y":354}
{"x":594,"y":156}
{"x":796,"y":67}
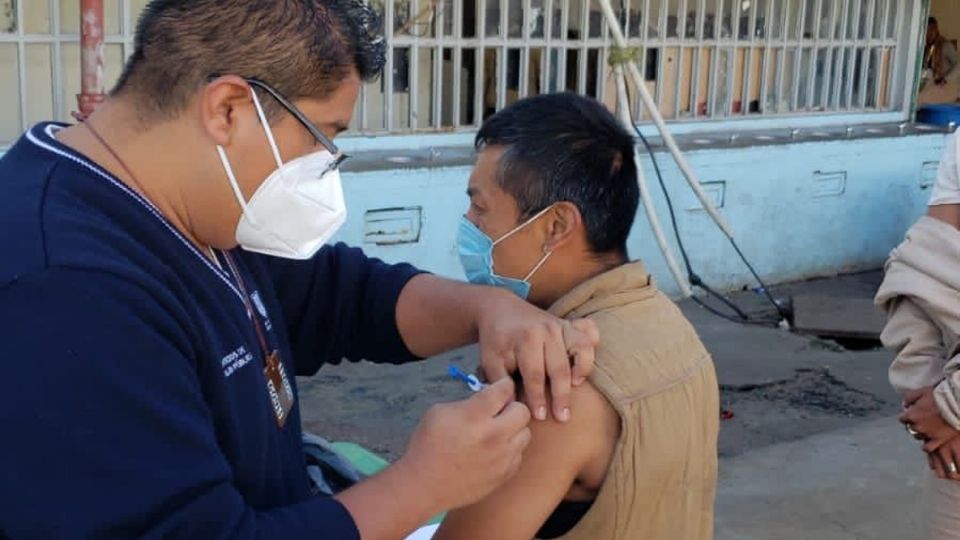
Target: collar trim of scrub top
{"x":52,"y":128}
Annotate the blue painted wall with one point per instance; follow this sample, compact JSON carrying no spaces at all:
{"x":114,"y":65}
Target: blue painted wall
{"x":791,"y":222}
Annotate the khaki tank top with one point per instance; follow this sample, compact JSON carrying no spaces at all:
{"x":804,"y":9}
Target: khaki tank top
{"x":654,"y":370}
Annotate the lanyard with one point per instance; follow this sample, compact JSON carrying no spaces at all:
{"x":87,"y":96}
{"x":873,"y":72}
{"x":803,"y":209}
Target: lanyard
{"x":261,"y":335}
{"x":279,"y":388}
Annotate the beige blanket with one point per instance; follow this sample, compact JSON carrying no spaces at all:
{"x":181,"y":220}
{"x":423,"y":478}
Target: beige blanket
{"x":921,"y":297}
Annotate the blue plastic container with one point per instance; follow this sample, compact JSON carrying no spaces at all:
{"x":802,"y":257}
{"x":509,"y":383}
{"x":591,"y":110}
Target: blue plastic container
{"x":939,"y":114}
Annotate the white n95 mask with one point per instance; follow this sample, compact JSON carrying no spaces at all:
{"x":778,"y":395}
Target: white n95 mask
{"x":297,"y":209}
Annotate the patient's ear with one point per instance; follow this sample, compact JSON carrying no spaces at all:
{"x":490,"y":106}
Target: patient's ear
{"x":565,"y":224}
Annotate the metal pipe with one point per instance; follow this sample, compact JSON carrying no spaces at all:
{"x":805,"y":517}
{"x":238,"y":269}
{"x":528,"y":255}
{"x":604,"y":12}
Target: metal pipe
{"x":691,"y":177}
{"x":91,"y":57}
{"x":623,"y":106}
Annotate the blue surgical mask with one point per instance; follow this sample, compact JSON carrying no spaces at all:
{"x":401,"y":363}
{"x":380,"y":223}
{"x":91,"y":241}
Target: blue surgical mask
{"x":476,"y":256}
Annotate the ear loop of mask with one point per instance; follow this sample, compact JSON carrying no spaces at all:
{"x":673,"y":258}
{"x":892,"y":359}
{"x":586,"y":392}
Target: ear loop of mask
{"x":543,"y":261}
{"x":234,"y":184}
{"x":266,"y":128}
{"x":513,"y":231}
{"x":229,"y":169}
{"x":510,"y":233}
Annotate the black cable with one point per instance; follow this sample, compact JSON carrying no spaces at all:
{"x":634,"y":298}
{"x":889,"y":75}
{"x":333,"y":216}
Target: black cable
{"x":692,"y":276}
{"x":695,"y":279}
{"x":763,"y":286}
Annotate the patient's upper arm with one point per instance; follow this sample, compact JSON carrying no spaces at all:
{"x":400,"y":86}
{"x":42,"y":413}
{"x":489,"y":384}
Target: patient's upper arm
{"x":557,"y":455}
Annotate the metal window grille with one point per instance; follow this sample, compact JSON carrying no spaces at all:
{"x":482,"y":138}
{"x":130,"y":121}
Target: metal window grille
{"x":40,"y":57}
{"x":451,"y":63}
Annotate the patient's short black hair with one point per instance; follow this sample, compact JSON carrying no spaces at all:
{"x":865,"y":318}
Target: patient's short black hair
{"x":566,"y":147}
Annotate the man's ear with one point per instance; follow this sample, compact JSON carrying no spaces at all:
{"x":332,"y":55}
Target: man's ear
{"x":219,"y":103}
{"x":564,"y":222}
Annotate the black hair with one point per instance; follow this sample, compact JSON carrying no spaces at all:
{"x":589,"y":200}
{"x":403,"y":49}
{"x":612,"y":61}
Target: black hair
{"x":566,"y":147}
{"x":302,"y":48}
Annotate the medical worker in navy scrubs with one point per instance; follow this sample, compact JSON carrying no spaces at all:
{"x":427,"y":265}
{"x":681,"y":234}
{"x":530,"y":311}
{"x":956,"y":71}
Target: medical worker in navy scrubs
{"x":165,"y":273}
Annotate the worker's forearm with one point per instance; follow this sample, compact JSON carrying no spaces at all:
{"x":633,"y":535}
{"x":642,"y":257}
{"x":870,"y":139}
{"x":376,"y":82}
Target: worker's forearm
{"x":389,"y":505}
{"x":435,"y":315}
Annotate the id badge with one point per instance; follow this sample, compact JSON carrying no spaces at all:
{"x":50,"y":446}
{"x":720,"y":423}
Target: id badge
{"x":278,"y":388}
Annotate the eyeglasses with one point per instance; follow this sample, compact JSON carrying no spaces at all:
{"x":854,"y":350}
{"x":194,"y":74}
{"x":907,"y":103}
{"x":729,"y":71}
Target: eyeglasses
{"x":338,"y":156}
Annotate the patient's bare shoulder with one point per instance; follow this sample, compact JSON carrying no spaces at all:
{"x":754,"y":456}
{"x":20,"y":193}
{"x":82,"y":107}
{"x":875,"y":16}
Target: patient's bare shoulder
{"x":563,"y":461}
{"x":587,"y":441}
{"x":594,"y":430}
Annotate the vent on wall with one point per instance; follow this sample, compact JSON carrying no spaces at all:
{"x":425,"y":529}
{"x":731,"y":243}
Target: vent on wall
{"x":715,"y":191}
{"x":829,"y":184}
{"x":391,"y":226}
{"x":928,"y":174}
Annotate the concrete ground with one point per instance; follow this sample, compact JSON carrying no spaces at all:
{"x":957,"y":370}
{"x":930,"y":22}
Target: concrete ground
{"x":863,"y":482}
{"x":811,"y":448}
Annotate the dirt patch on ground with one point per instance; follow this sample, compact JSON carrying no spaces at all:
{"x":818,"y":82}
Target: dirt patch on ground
{"x":811,"y":402}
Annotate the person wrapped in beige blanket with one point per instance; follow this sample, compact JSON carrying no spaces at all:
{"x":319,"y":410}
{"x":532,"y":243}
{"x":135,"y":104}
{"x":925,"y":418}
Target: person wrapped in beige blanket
{"x":921,"y":296}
